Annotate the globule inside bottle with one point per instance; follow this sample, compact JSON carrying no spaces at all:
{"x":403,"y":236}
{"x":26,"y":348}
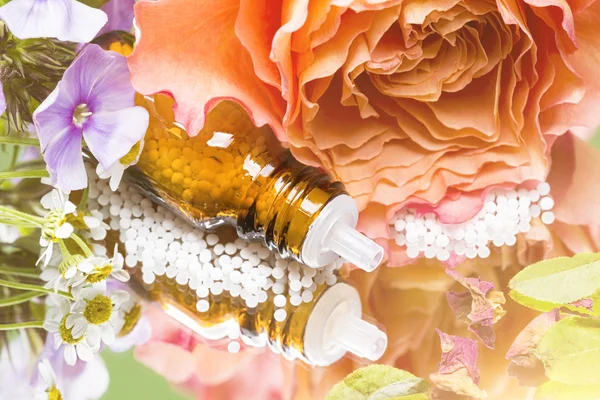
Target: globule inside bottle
{"x":231,"y":172}
{"x":257,"y":325}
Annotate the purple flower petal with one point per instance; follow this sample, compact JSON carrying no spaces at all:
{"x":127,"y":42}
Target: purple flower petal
{"x":64,"y":160}
{"x":66,"y":20}
{"x":92,"y":63}
{"x":54,"y":115}
{"x":111,"y":90}
{"x":111,"y":135}
{"x":120,"y":15}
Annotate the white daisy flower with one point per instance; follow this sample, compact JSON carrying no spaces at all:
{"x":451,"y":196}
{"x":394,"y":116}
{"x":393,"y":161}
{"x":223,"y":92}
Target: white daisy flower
{"x":63,"y":276}
{"x":97,"y":269}
{"x":77,"y":344}
{"x":50,"y":391}
{"x":96,"y":315}
{"x":55,"y":225}
{"x":133,"y":328}
{"x":96,"y":225}
{"x":115,"y":171}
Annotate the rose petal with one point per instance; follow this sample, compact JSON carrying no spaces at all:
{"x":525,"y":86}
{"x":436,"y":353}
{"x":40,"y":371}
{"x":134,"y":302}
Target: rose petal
{"x":480,"y":307}
{"x":220,"y":68}
{"x":524,"y":365}
{"x":458,"y":372}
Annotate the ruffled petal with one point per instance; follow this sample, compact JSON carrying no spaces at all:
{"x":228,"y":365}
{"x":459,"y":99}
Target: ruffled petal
{"x":215,"y":61}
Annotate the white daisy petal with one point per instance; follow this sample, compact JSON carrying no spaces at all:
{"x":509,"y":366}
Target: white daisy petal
{"x":86,"y":266}
{"x":70,"y":354}
{"x":119,"y":296}
{"x":120,"y":275}
{"x":46,"y":372}
{"x":107,"y":333}
{"x":51,"y":326}
{"x":84,"y":352}
{"x":70,"y":272}
{"x":69,"y":208}
{"x":91,"y":222}
{"x":64,"y":231}
{"x":57,"y":341}
{"x":79,"y":328}
{"x":92,"y":336}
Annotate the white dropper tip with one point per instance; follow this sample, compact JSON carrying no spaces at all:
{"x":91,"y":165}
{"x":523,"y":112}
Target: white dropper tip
{"x":333,"y":234}
{"x":355,"y":247}
{"x":359,"y":337}
{"x":335,"y":327}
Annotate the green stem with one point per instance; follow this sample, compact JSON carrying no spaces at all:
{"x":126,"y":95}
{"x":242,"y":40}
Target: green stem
{"x":32,"y":173}
{"x":27,"y":272}
{"x":21,"y":215}
{"x":18,"y":299}
{"x":19,"y":141}
{"x":63,"y":248}
{"x":82,"y":245}
{"x":18,"y":223}
{"x":35,"y":288}
{"x":21,"y":325}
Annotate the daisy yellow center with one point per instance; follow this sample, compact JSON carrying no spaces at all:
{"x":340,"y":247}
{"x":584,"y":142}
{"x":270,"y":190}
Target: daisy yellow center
{"x":98,"y":310}
{"x":131,"y":319}
{"x":130,"y":157}
{"x":66,"y":334}
{"x":81,"y":114}
{"x":99,"y":274}
{"x":54,"y":394}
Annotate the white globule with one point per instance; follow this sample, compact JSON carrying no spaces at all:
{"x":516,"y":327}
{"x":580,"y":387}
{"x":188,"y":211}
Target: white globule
{"x":505,"y":214}
{"x":164,"y":244}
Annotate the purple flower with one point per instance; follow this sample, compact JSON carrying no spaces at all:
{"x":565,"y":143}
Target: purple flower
{"x":93,"y":101}
{"x":120,"y":15}
{"x":66,"y":20}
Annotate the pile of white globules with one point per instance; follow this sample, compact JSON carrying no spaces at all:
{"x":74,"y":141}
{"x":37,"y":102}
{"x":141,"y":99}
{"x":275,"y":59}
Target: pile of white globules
{"x":164,"y":244}
{"x":504,"y":215}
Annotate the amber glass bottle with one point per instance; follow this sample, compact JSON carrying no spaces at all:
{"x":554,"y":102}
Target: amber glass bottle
{"x":319,"y":332}
{"x":232,"y":172}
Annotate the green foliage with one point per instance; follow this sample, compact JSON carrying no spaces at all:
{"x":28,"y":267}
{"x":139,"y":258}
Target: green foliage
{"x":380,"y":382}
{"x":552,"y":390}
{"x":559,"y":282}
{"x":570,"y":351}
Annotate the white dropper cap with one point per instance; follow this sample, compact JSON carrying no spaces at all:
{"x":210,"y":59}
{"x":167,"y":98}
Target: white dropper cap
{"x":333,"y":234}
{"x":335,"y":327}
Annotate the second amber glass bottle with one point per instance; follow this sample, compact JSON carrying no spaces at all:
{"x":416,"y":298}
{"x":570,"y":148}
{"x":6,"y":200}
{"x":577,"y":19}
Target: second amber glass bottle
{"x":232,"y":172}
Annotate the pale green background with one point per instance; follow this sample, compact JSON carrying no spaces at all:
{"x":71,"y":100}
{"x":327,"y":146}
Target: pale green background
{"x":126,"y":374}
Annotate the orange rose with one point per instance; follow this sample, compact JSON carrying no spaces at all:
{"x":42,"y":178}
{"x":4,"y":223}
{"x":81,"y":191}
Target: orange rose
{"x":403,"y":101}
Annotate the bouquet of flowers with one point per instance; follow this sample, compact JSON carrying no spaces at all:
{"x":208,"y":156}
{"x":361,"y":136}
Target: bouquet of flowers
{"x":301,"y":199}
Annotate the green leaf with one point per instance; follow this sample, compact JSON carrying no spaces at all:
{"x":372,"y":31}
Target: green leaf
{"x":546,"y":306}
{"x":570,"y":351}
{"x":552,"y":390}
{"x":378,"y":382}
{"x":559,"y":281}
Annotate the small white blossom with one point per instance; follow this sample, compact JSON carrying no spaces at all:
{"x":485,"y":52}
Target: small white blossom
{"x":50,"y":390}
{"x":95,"y":314}
{"x":96,"y":225}
{"x":115,"y":172}
{"x":77,"y":344}
{"x":55,"y":225}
